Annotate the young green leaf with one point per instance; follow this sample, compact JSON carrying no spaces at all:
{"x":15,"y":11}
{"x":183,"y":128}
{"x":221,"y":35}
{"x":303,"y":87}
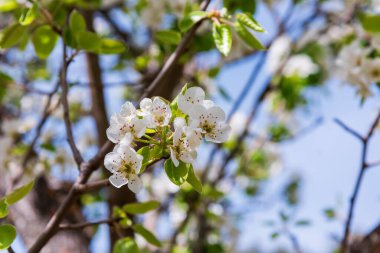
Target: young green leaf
{"x":149,"y":236}
{"x":28,"y":15}
{"x":370,"y":22}
{"x":4,"y":208}
{"x":222,"y":38}
{"x":247,"y":20}
{"x":19,"y":193}
{"x":44,"y":40}
{"x":11,"y":35}
{"x":139,"y":208}
{"x":192,"y":18}
{"x":145,"y":152}
{"x":8,"y":5}
{"x":168,"y":36}
{"x":77,"y":22}
{"x":193,"y":180}
{"x":111,"y":46}
{"x":178,"y":174}
{"x":88,"y":41}
{"x":247,"y":37}
{"x":302,"y":223}
{"x":7,"y":236}
{"x":125,"y":245}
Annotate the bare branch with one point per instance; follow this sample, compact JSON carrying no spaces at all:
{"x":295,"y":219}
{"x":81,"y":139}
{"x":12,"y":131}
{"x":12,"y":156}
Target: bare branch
{"x":349,"y":130}
{"x":86,"y":224}
{"x":363,"y":166}
{"x":66,"y":115}
{"x":92,"y":186}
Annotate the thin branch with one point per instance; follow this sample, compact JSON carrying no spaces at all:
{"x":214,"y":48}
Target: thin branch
{"x":173,"y":58}
{"x":92,"y":186}
{"x":66,"y":114}
{"x":349,"y":130}
{"x":86,"y":224}
{"x":10,"y":250}
{"x":363,"y":166}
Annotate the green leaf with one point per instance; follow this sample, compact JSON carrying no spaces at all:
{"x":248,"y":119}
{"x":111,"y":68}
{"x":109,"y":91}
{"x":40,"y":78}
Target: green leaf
{"x":4,"y":208}
{"x":28,"y":15}
{"x":19,"y":193}
{"x":88,"y":41}
{"x":247,"y":20}
{"x":178,"y":174}
{"x":274,"y":235}
{"x":145,"y":152}
{"x":247,"y":37}
{"x":11,"y":35}
{"x":370,"y":22}
{"x":125,"y":245}
{"x":44,"y":40}
{"x":222,"y":38}
{"x":330,"y":213}
{"x":193,"y":180}
{"x":149,"y":236}
{"x":193,"y":17}
{"x":302,"y":223}
{"x":111,"y":46}
{"x":7,"y":236}
{"x":168,"y":37}
{"x":8,"y":5}
{"x":77,"y":22}
{"x":139,"y":208}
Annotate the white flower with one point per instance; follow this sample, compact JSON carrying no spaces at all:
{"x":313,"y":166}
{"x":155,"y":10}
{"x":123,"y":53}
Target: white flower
{"x":124,"y":163}
{"x":350,"y":62}
{"x":125,"y":122}
{"x":278,"y":53}
{"x":193,"y":96}
{"x":300,"y":65}
{"x":211,"y":121}
{"x":156,"y":112}
{"x":372,"y":69}
{"x":182,"y":149}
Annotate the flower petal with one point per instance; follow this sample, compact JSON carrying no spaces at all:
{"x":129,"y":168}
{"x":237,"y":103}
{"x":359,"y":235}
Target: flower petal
{"x":216,"y":113}
{"x":118,"y":180}
{"x":219,"y":134}
{"x":127,"y":109}
{"x":193,"y":96}
{"x":173,"y":157}
{"x":134,"y":183}
{"x":112,"y":161}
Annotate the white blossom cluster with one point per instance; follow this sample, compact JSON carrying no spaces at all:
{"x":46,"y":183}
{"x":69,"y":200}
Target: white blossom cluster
{"x":177,"y":128}
{"x":357,"y":67}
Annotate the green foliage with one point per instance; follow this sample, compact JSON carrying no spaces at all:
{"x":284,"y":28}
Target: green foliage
{"x":19,"y":193}
{"x":77,"y":22}
{"x":247,"y":20}
{"x":279,"y":132}
{"x":126,"y":245}
{"x":44,"y":40}
{"x":370,"y":22}
{"x":149,"y":155}
{"x":140,"y":208}
{"x":302,"y":223}
{"x":28,"y":15}
{"x":193,"y":180}
{"x":11,"y":35}
{"x":4,"y":208}
{"x":222,"y":38}
{"x":7,"y":236}
{"x":240,"y":5}
{"x":168,"y":37}
{"x":247,"y":37}
{"x":88,"y":41}
{"x":149,"y":236}
{"x":178,"y":174}
{"x":189,"y":20}
{"x":330,"y":213}
{"x":291,"y":191}
{"x":111,"y":46}
{"x":8,"y":5}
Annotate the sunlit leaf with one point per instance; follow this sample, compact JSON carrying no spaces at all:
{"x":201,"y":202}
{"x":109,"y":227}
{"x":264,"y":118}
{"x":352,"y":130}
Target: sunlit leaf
{"x":222,"y":37}
{"x":28,"y":15}
{"x":44,"y":40}
{"x":111,"y":46}
{"x":178,"y":174}
{"x":19,"y":193}
{"x":4,"y":208}
{"x":247,"y":37}
{"x":125,"y":245}
{"x":193,"y":180}
{"x":7,"y":236}
{"x":8,"y":5}
{"x":88,"y":41}
{"x":139,"y":208}
{"x":247,"y":20}
{"x":11,"y":35}
{"x":77,"y":22}
{"x":168,"y":36}
{"x":149,"y":236}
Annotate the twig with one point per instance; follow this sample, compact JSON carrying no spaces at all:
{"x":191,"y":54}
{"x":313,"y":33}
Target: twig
{"x":10,"y":250}
{"x":173,"y":58}
{"x":66,"y":115}
{"x":92,"y":186}
{"x":86,"y":224}
{"x":363,"y":166}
